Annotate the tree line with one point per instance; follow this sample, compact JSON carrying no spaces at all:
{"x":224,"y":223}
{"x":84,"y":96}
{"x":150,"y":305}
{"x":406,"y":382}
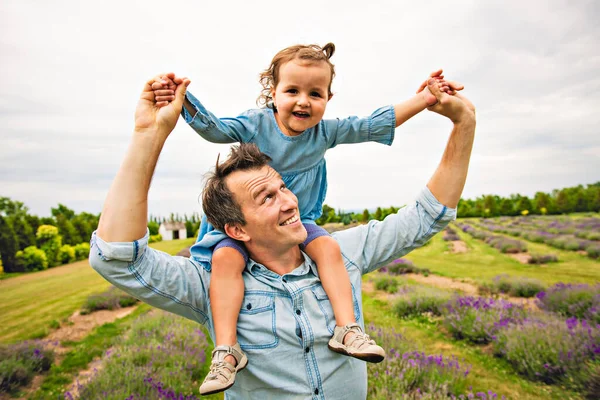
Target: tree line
{"x":559,"y":201}
{"x":29,"y":242}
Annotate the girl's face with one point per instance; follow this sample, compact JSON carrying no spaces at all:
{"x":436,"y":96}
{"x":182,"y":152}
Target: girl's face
{"x":301,"y":95}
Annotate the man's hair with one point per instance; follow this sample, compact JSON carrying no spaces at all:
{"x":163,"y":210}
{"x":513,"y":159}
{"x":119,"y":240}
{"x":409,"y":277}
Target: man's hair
{"x":269,"y":78}
{"x":218,"y":201}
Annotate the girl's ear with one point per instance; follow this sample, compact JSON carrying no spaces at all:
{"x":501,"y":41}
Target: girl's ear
{"x":330,"y":96}
{"x":236,"y":232}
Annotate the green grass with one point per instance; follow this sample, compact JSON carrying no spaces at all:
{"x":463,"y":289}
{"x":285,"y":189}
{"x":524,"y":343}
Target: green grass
{"x":482,"y":263}
{"x":173,"y":246}
{"x":31,"y":303}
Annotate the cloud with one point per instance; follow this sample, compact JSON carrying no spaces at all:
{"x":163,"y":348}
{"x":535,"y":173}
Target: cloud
{"x":73,"y":72}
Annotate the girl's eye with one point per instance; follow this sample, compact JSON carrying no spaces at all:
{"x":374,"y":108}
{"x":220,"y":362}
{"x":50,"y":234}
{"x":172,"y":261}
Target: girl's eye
{"x":292,"y":91}
{"x":315,"y":94}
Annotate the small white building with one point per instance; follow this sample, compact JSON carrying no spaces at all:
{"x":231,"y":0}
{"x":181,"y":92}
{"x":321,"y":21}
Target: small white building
{"x":172,"y":230}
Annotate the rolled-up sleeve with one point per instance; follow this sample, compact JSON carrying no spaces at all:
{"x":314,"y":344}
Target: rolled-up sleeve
{"x":378,"y":127}
{"x":377,"y":243}
{"x":175,"y":284}
{"x":240,"y":129}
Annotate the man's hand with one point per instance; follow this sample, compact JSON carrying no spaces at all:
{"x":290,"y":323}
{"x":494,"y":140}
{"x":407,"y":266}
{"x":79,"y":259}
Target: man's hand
{"x":457,"y":108}
{"x":150,"y":116}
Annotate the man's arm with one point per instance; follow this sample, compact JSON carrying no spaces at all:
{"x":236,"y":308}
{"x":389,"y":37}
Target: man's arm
{"x":448,"y":180}
{"x":125,"y":213}
{"x":371,"y":246}
{"x":119,"y":249}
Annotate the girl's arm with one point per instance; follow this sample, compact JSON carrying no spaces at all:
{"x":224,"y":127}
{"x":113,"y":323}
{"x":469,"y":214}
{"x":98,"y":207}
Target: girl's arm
{"x":205,"y":123}
{"x":380,"y":126}
{"x":218,"y":130}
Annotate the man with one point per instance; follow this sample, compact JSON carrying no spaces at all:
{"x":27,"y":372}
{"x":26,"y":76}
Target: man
{"x":286,"y":319}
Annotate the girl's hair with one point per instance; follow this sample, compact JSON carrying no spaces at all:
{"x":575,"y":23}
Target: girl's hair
{"x":269,"y":78}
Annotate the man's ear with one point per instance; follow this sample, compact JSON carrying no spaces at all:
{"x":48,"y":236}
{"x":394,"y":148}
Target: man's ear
{"x":236,"y":232}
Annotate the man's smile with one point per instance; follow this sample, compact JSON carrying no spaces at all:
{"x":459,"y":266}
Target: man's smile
{"x":290,"y":220}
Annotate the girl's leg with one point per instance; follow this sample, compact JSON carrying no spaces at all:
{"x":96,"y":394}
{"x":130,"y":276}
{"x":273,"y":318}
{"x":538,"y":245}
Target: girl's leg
{"x":326,"y":252}
{"x":348,"y":338}
{"x":226,"y":295}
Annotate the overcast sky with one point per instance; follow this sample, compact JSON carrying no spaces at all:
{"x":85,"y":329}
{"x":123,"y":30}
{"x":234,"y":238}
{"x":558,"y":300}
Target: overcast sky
{"x":72,"y":72}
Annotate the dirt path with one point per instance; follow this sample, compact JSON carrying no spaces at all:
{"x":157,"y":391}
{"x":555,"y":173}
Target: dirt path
{"x":443,"y":282}
{"x":523,"y":258}
{"x":77,"y":327}
{"x":458,"y":246}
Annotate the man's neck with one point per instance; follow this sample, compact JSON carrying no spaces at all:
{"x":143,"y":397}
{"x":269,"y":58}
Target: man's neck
{"x":279,"y":262}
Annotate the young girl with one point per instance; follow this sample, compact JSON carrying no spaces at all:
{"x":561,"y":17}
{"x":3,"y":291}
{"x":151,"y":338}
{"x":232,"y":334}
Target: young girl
{"x":290,"y":129}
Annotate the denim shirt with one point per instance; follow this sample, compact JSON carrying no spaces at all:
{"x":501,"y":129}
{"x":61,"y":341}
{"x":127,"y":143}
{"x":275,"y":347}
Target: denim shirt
{"x":285,"y":321}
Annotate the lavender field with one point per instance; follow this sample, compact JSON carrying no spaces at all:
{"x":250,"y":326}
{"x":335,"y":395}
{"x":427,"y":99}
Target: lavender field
{"x":486,"y":310}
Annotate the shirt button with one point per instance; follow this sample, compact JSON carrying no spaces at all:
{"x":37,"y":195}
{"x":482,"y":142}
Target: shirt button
{"x":317,"y":391}
{"x":284,"y":279}
{"x":307,"y":349}
{"x":249,"y":306}
{"x":298,"y":312}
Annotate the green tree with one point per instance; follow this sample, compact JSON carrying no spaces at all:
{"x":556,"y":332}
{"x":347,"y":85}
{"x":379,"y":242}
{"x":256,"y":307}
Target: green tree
{"x":67,"y":230}
{"x":507,"y":207}
{"x":9,"y":246}
{"x":365,"y":215}
{"x":153,"y":227}
{"x":16,"y":212}
{"x":378,"y":214}
{"x":32,"y":259}
{"x":593,"y":194}
{"x":524,"y":204}
{"x":50,"y":242}
{"x":328,"y":215}
{"x":66,"y":254}
{"x":562,"y":202}
{"x":542,"y":200}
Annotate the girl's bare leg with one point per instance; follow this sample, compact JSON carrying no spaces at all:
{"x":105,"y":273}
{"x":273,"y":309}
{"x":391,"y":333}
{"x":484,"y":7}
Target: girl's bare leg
{"x":226,"y":295}
{"x":326,"y":252}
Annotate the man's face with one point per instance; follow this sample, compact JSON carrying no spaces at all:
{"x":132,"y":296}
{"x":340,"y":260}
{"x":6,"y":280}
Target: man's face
{"x":269,"y":208}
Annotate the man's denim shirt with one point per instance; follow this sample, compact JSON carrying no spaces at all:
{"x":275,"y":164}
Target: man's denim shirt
{"x":285,"y":321}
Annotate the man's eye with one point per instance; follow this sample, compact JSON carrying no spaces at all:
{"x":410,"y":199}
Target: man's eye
{"x":283,"y":187}
{"x":267,"y":198}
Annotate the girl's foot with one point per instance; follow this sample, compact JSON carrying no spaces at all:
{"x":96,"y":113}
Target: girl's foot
{"x":222,"y":373}
{"x":350,"y":340}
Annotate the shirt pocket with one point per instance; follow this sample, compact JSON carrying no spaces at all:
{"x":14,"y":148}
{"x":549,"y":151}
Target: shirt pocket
{"x":327,"y":309}
{"x":256,"y":323}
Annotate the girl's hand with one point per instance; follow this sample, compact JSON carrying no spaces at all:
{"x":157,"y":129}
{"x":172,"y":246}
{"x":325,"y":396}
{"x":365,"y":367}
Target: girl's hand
{"x":450,"y":87}
{"x":149,"y":116}
{"x":164,"y":89}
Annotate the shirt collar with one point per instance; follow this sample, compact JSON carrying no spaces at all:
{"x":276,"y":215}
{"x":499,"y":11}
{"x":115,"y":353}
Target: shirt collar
{"x":255,"y":268}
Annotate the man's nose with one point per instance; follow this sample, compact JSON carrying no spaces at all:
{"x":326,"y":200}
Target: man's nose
{"x":289,"y":201}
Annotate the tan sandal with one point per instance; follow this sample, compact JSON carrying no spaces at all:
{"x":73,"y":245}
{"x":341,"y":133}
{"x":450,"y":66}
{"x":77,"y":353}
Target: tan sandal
{"x":222,"y":374}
